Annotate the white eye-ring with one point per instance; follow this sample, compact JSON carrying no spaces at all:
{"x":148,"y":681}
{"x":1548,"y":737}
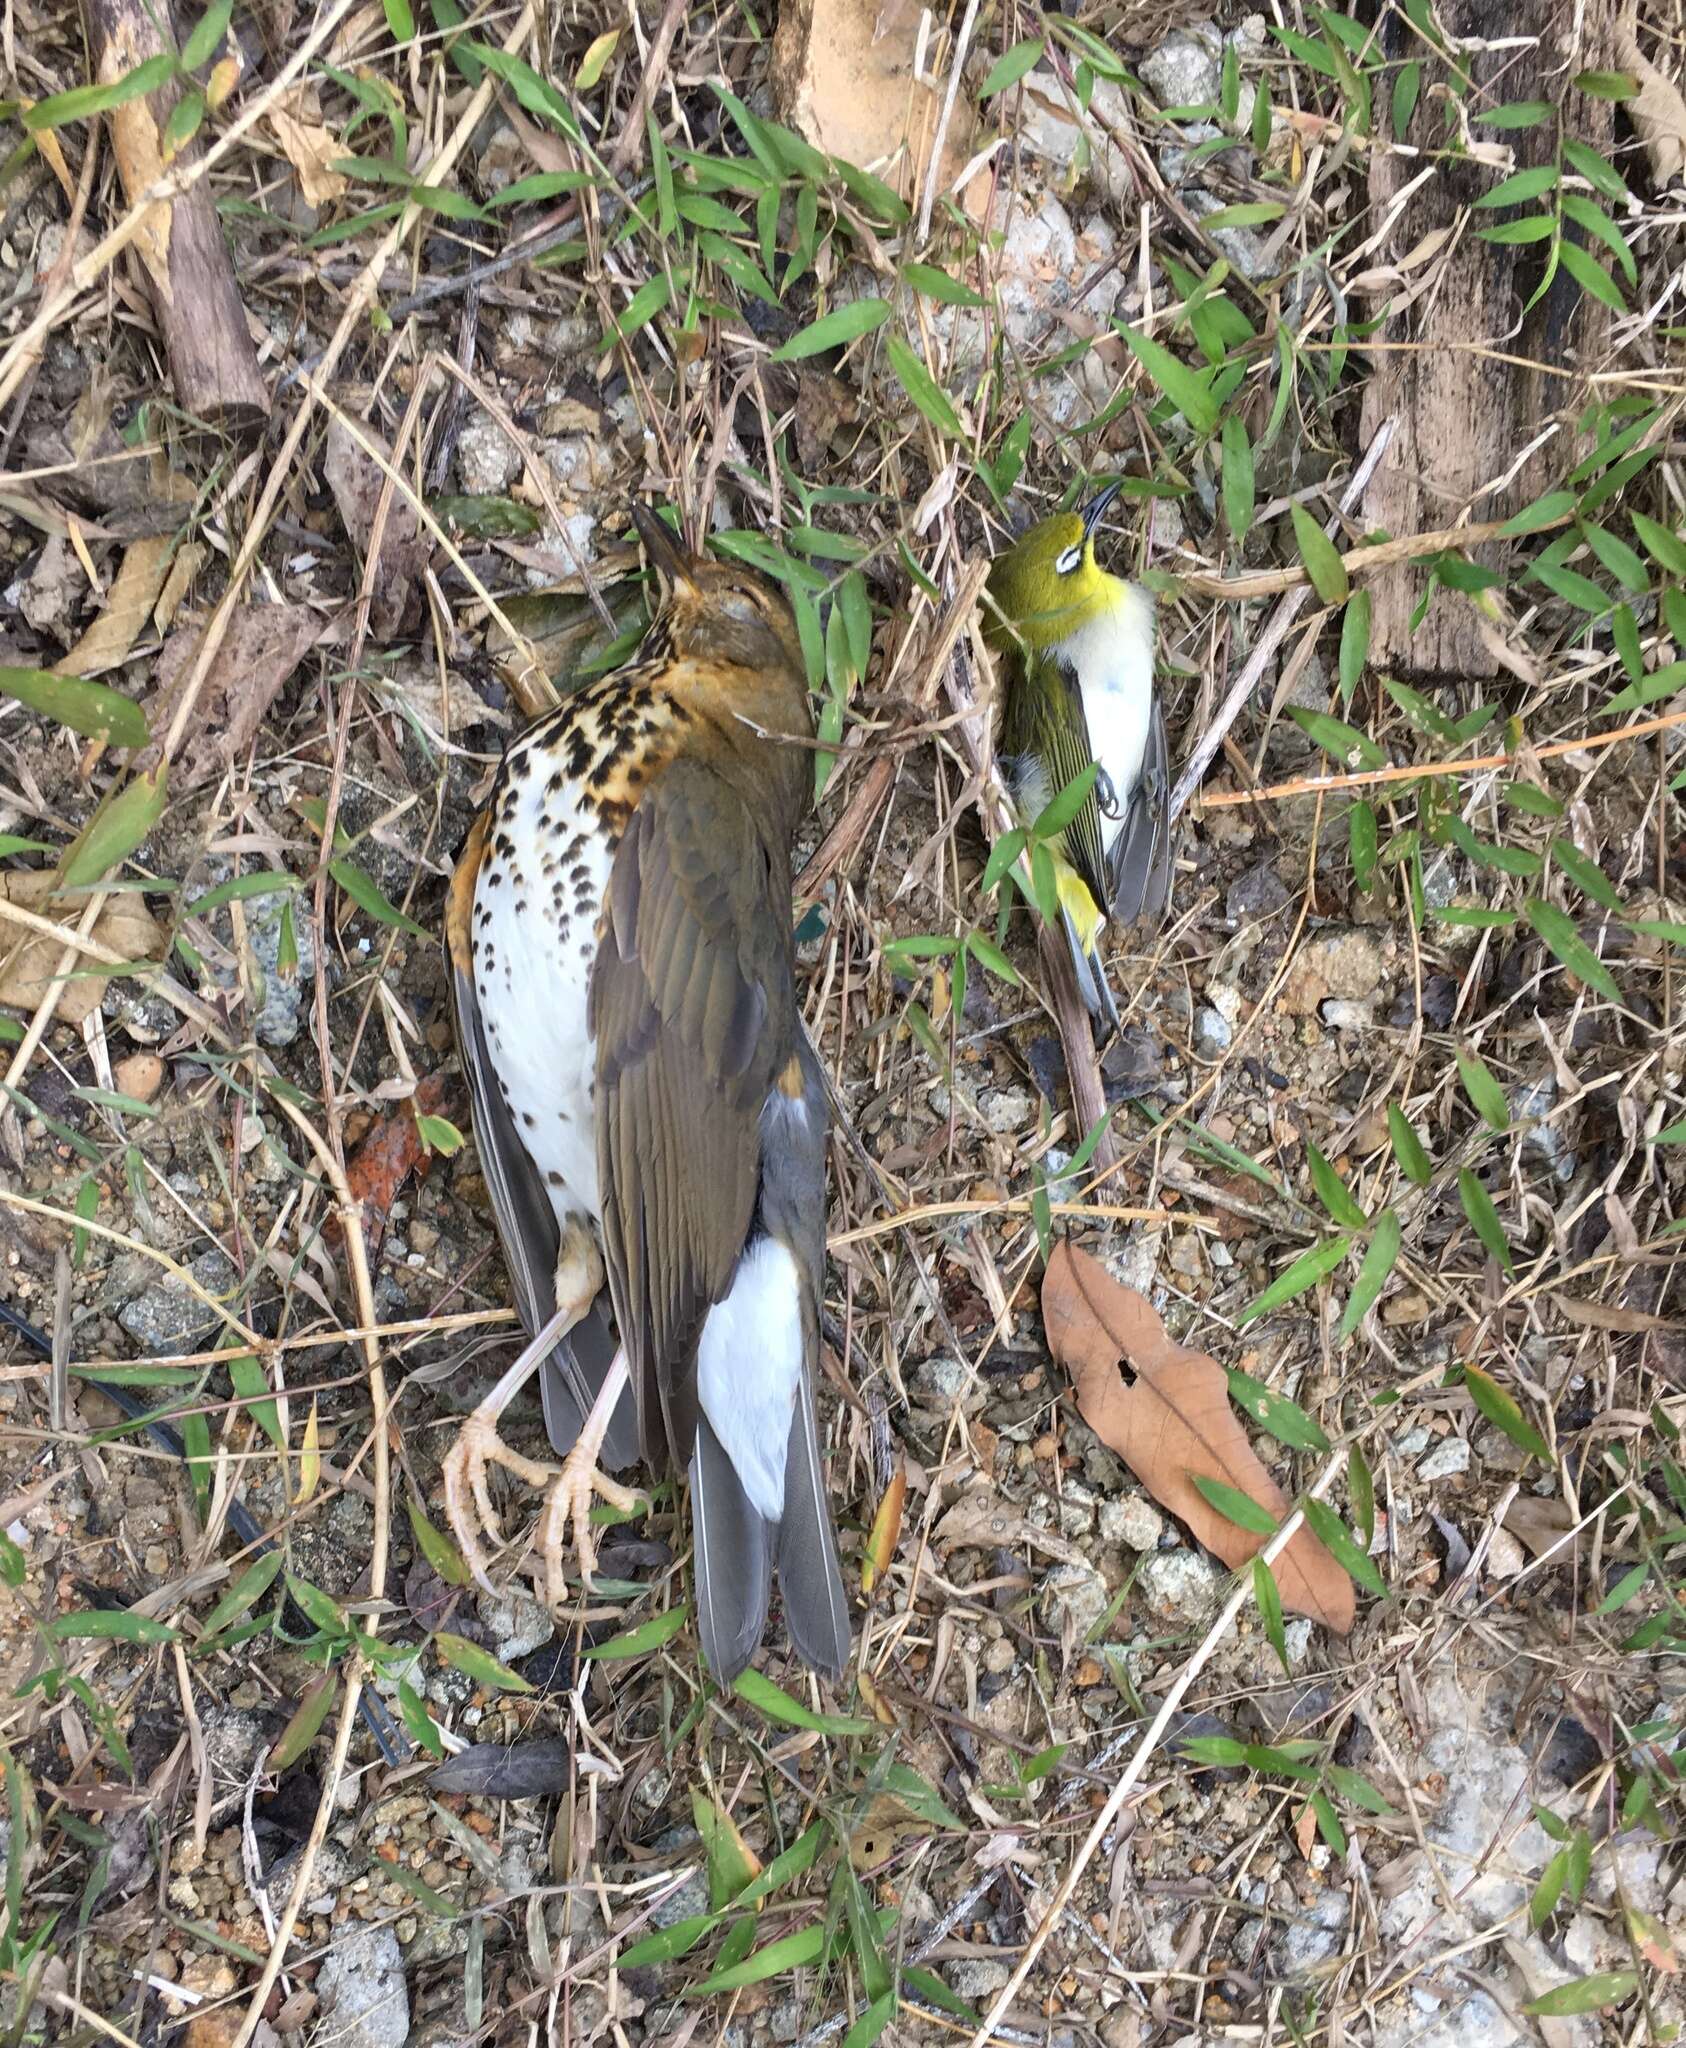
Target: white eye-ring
{"x":1065,"y":563}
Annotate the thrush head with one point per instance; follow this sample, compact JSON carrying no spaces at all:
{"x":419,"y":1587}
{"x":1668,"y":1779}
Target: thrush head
{"x":716,"y":611}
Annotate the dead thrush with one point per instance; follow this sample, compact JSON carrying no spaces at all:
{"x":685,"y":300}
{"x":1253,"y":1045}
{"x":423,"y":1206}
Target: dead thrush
{"x":647,"y":1110}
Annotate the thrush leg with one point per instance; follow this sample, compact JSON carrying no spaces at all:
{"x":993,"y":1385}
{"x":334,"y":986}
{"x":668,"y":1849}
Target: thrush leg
{"x":468,"y":1499}
{"x":570,"y":1495}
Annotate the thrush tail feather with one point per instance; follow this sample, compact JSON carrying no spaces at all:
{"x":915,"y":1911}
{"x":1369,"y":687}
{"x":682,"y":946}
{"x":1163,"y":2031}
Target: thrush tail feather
{"x":816,"y":1611}
{"x":734,"y":1558}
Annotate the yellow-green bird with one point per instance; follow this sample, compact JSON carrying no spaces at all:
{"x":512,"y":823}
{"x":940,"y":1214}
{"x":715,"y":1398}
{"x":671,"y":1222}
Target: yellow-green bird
{"x":1076,"y":646}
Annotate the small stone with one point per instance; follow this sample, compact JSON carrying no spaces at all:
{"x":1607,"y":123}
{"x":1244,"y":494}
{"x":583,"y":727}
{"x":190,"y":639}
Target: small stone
{"x":1006,"y":1111}
{"x":1344,"y":962}
{"x":1074,"y":1597}
{"x":978,"y":1979}
{"x":939,"y":1383}
{"x":1447,"y":1461}
{"x":999,"y":1656}
{"x":140,"y":1075}
{"x":281,"y":996}
{"x":365,"y":2002}
{"x":488,"y":461}
{"x":1180,"y":1585}
{"x":1313,"y":1937}
{"x":1184,"y":70}
{"x":1076,"y":1510}
{"x":1505,"y":1555}
{"x":1258,"y":893}
{"x":516,"y":1622}
{"x":1132,"y":1521}
{"x":681,"y":1845}
{"x":167,"y":1319}
{"x":1212,"y":1035}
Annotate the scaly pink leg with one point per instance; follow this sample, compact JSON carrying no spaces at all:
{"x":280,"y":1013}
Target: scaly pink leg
{"x":570,"y":1495}
{"x":468,"y":1501}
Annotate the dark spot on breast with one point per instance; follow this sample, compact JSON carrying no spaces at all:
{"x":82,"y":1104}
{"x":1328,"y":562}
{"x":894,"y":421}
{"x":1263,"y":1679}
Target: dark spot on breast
{"x":553,"y":1178}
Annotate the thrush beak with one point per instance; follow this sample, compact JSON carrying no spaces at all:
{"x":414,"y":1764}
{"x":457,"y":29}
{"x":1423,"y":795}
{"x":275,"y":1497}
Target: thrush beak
{"x":1096,"y":507}
{"x":667,"y":557}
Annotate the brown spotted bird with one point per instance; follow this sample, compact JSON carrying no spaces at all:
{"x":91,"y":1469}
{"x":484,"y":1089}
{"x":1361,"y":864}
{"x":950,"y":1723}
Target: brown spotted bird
{"x":649,"y":1115}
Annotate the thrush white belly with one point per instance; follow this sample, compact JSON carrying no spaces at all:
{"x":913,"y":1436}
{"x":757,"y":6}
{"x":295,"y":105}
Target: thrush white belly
{"x":536,"y":906}
{"x":1113,"y":658}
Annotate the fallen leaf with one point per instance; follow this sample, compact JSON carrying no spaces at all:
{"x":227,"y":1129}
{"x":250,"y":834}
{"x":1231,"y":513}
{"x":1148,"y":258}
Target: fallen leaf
{"x":1175,"y":1421}
{"x":357,"y":481}
{"x":312,"y":152}
{"x":190,"y":559}
{"x":981,"y":1520}
{"x":262,"y":647}
{"x":1604,"y":1315}
{"x":26,"y":969}
{"x":135,"y":589}
{"x":499,"y":1770}
{"x":392,"y":1151}
{"x":886,"y":1528}
{"x":1657,"y":110}
{"x":1542,"y":1524}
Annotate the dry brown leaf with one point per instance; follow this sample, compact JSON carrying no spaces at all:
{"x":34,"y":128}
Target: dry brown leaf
{"x":1173,"y":1421}
{"x":128,"y":606}
{"x":311,"y":151}
{"x":27,"y":969}
{"x":190,"y":559}
{"x":1604,"y":1315}
{"x":357,"y":481}
{"x":262,"y":647}
{"x":981,"y":1520}
{"x":1540,"y":1526}
{"x":1657,"y":110}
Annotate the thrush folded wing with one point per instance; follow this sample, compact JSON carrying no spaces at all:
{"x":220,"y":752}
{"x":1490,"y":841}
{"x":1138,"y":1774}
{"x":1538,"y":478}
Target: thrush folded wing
{"x":1047,"y":720}
{"x":694,"y":1014}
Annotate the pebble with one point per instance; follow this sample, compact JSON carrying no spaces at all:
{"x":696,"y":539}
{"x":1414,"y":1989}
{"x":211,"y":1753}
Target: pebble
{"x":1074,"y":1596}
{"x":365,"y":2001}
{"x":140,"y":1075}
{"x":939,"y":1382}
{"x":1505,"y":1555}
{"x":1446,"y":1462}
{"x":1345,"y":962}
{"x":167,"y":1319}
{"x":978,"y":1979}
{"x":516,"y":1622}
{"x":1212,"y":1033}
{"x":1007,"y":1110}
{"x":1180,"y":1585}
{"x":1132,"y":1521}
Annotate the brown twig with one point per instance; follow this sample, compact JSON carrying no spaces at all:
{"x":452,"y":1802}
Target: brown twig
{"x":1472,"y":764}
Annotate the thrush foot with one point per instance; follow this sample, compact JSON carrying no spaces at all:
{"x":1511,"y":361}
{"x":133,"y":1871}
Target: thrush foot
{"x":468,"y":1499}
{"x":569,"y":1499}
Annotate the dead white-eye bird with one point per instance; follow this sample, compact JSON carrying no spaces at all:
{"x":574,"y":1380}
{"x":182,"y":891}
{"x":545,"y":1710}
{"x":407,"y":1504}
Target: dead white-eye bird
{"x":1076,"y":648}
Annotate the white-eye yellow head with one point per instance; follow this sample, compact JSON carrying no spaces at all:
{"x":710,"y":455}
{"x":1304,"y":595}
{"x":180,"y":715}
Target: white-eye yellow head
{"x":1048,"y":583}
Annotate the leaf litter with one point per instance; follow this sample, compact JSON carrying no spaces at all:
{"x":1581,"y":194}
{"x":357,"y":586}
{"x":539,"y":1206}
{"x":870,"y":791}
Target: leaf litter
{"x":1174,"y":1422}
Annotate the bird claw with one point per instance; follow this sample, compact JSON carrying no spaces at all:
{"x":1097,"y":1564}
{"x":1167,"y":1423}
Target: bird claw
{"x":468,"y":1499}
{"x":568,"y":1500}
